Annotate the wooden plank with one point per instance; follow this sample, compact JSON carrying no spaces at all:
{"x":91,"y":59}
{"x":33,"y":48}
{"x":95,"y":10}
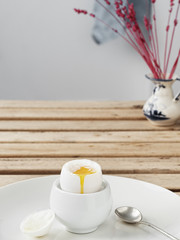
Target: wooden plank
{"x":78,"y":125}
{"x":109,"y":165}
{"x":169,"y":181}
{"x":71,"y":104}
{"x":70,"y":114}
{"x":90,"y":150}
{"x":89,"y":137}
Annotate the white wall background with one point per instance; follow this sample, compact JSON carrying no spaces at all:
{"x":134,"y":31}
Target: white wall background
{"x":46,"y":52}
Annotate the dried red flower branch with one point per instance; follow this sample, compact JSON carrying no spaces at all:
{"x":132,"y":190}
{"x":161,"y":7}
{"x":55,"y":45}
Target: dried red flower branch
{"x":174,"y":66}
{"x":172,"y":38}
{"x":125,"y":16}
{"x":167,"y":31}
{"x":156,"y":35}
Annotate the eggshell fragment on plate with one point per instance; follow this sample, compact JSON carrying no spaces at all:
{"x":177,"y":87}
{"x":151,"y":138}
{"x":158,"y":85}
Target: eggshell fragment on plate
{"x":37,"y":224}
{"x":81,"y":176}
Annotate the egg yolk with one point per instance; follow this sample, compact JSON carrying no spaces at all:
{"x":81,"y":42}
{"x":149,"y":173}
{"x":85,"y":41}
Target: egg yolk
{"x":82,"y":172}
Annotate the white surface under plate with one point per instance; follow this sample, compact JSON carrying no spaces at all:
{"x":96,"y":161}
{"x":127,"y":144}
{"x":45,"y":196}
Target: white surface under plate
{"x":157,"y":204}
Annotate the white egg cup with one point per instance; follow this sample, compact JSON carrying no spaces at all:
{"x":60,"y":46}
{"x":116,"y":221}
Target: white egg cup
{"x":81,"y":213}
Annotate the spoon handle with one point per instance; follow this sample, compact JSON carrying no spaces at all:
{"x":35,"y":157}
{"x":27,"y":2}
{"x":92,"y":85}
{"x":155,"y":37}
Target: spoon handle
{"x":160,"y":230}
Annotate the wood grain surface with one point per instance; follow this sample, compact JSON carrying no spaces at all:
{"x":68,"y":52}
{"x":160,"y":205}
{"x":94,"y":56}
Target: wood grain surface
{"x":38,"y":137}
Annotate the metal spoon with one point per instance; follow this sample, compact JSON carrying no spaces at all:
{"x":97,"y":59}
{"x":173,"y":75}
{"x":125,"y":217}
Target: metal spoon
{"x":133,"y":215}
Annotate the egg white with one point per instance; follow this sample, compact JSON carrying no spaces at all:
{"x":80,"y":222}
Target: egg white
{"x":70,"y":182}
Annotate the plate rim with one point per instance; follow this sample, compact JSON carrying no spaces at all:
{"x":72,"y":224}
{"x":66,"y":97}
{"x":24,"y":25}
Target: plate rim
{"x":10,"y":185}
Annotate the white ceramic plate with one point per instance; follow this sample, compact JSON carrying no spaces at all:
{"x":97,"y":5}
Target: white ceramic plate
{"x":157,"y":204}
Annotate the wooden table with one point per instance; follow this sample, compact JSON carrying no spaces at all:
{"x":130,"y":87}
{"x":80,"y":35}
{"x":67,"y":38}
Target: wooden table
{"x":38,"y":137}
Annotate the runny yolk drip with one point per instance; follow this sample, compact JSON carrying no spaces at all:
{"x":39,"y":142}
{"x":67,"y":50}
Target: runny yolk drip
{"x":82,"y":172}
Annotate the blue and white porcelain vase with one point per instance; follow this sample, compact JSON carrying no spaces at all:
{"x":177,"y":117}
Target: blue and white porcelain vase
{"x":162,"y":108}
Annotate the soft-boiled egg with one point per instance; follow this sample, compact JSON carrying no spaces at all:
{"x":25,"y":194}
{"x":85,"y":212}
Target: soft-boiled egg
{"x":81,"y":176}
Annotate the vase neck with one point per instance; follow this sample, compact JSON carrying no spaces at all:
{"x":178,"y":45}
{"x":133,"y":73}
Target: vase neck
{"x":163,"y":89}
{"x":163,"y":83}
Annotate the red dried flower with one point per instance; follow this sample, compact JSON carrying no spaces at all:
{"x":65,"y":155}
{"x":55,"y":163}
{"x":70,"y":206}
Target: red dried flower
{"x":124,"y":10}
{"x":128,"y":25}
{"x":142,"y":40}
{"x":120,"y":14}
{"x":131,"y":13}
{"x":134,"y":28}
{"x":115,"y":30}
{"x":175,"y":22}
{"x":146,"y":23}
{"x":171,"y":3}
{"x":167,"y":28}
{"x":80,"y":11}
{"x":107,"y":2}
{"x":117,"y":5}
{"x":92,"y":15}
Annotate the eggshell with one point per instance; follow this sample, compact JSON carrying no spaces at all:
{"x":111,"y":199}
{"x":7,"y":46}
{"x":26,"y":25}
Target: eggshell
{"x":70,"y":182}
{"x":37,"y":224}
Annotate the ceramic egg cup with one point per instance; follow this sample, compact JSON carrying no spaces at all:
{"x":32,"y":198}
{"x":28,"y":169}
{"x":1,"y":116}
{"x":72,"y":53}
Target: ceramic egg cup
{"x":81,"y":213}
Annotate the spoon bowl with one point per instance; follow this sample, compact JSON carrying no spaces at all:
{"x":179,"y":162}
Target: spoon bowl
{"x":129,"y":214}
